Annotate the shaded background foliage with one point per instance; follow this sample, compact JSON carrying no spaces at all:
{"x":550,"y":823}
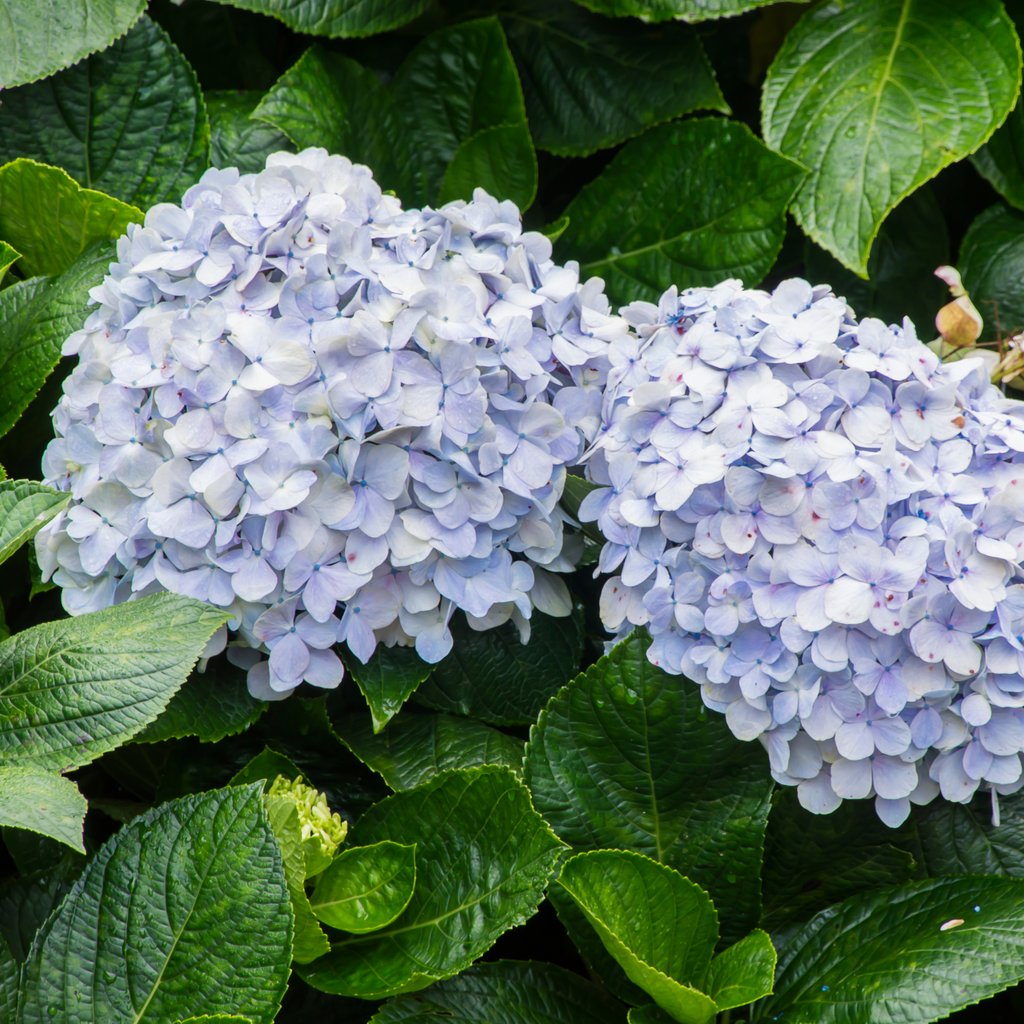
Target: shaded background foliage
{"x":634,"y":133}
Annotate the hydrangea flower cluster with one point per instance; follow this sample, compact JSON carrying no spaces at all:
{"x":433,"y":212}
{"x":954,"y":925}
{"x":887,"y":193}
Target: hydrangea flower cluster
{"x":338,"y":419}
{"x":821,"y":524}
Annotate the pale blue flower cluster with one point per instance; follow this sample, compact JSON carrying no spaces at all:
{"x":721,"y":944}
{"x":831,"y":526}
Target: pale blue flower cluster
{"x":822,"y":525}
{"x":335,"y":418}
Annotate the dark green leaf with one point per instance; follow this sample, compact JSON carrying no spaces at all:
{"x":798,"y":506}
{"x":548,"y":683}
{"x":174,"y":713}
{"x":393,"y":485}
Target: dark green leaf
{"x":682,"y":10}
{"x":33,"y":852}
{"x":39,"y":37}
{"x":590,"y":82}
{"x":51,"y":220}
{"x":337,"y":17}
{"x":10,"y":983}
{"x":484,"y":856}
{"x":128,"y":121}
{"x":499,"y":160}
{"x":26,"y":902}
{"x":812,"y":861}
{"x":8,"y":256}
{"x":659,"y":926}
{"x":25,"y":507}
{"x":743,"y":972}
{"x":875,"y":97}
{"x":1001,"y":159}
{"x":236,"y":140}
{"x":626,"y":757}
{"x":36,"y":316}
{"x":992,"y":267}
{"x":388,"y":679}
{"x":210,"y":704}
{"x":267,"y":765}
{"x":556,"y":230}
{"x":490,"y":675}
{"x":73,"y":689}
{"x":901,"y":282}
{"x":184,"y":911}
{"x":41,"y":801}
{"x":327,"y":100}
{"x":507,"y":992}
{"x":455,"y":85}
{"x":415,"y":748}
{"x":308,"y":939}
{"x":217,"y":1018}
{"x":687,"y":203}
{"x":883,"y":956}
{"x":366,"y":887}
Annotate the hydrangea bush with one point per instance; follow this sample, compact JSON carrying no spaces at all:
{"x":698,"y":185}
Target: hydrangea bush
{"x":296,"y":395}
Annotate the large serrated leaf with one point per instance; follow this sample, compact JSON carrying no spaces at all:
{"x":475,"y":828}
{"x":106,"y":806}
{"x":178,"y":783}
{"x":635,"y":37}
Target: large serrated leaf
{"x":626,"y":757}
{"x":184,"y":911}
{"x":25,"y":507}
{"x":388,"y":679}
{"x":73,"y":689}
{"x":236,"y":139}
{"x":414,"y":748}
{"x":885,"y":956}
{"x":743,"y":972}
{"x":36,"y":316}
{"x":484,"y":856}
{"x":27,"y":901}
{"x":10,"y":979}
{"x":43,"y":802}
{"x":875,"y":97}
{"x":992,"y":266}
{"x":39,"y":37}
{"x":461,"y":97}
{"x":128,"y":121}
{"x":659,"y":926}
{"x":680,"y":10}
{"x":50,"y":219}
{"x":590,"y":82}
{"x":335,"y":18}
{"x":328,"y":100}
{"x":687,"y":203}
{"x":366,"y":887}
{"x":507,"y":992}
{"x":490,"y":675}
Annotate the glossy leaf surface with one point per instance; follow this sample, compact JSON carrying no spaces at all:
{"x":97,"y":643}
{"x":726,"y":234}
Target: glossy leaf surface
{"x":42,"y":802}
{"x":25,"y":507}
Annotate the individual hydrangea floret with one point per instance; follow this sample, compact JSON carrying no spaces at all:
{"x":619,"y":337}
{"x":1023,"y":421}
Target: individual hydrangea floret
{"x":822,"y":525}
{"x":335,"y":418}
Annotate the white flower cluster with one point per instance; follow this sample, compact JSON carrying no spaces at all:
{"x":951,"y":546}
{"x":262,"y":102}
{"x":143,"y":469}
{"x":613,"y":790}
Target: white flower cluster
{"x":296,"y":396}
{"x":820,"y":524}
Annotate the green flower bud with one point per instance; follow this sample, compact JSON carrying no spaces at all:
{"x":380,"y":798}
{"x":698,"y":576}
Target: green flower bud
{"x":322,"y":831}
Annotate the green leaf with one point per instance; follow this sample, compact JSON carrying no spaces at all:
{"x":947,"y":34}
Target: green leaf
{"x":217,"y":1018}
{"x":183,"y":911}
{"x":626,"y":757}
{"x":73,"y":689}
{"x":556,"y":230}
{"x":1001,"y":159}
{"x":484,"y":856}
{"x":415,"y":748}
{"x":812,"y":861}
{"x":883,"y":956}
{"x":455,"y":85}
{"x":8,"y":256}
{"x":27,"y":901}
{"x":743,"y":972}
{"x":39,"y":37}
{"x":51,"y":220}
{"x":499,"y":160}
{"x":36,"y":317}
{"x":43,"y":802}
{"x":336,"y":18}
{"x":308,"y":940}
{"x":507,"y":992}
{"x":10,"y":984}
{"x":366,"y":887}
{"x":128,"y":121}
{"x":687,"y":203}
{"x":210,"y":704}
{"x":992,"y":267}
{"x":328,"y":100}
{"x":651,"y":1014}
{"x":659,"y":926}
{"x":388,"y":679}
{"x":490,"y":675}
{"x":901,"y":282}
{"x":682,"y":10}
{"x":33,"y":852}
{"x":266,"y":765}
{"x":877,"y":96}
{"x":236,"y":140}
{"x":590,"y":82}
{"x":25,"y":507}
